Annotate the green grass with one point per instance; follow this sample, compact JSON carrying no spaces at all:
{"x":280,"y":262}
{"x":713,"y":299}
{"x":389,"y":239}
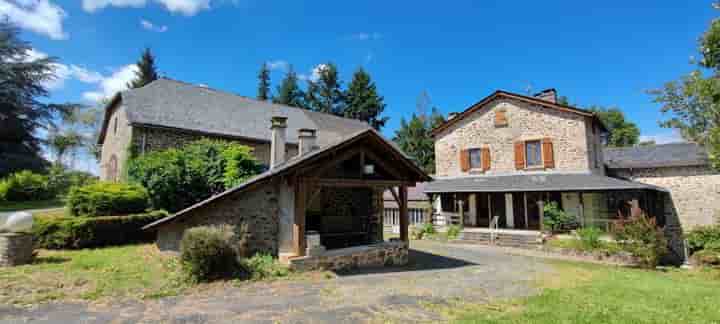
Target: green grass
{"x":138,"y":271}
{"x":9,"y":206}
{"x":587,"y":293}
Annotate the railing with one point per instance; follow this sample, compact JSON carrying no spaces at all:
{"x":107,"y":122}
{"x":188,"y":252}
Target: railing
{"x":391,"y":216}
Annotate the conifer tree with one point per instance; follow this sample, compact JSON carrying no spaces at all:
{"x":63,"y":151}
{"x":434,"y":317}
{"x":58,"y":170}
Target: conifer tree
{"x":363,"y":102}
{"x":325,"y":94}
{"x":264,"y":85}
{"x":146,"y":72}
{"x":289,"y":92}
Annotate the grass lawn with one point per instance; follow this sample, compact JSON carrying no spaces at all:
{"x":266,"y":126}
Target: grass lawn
{"x":588,"y":293}
{"x":26,"y":205}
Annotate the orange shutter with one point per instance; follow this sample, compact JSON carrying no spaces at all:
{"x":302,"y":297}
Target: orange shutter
{"x":485,"y":158}
{"x":547,"y":152}
{"x":464,"y":160}
{"x":500,"y":118}
{"x":519,"y":155}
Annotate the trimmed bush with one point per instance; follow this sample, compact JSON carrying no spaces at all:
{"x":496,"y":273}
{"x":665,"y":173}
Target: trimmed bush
{"x":643,"y":238}
{"x":178,"y":178}
{"x":704,"y":238}
{"x":589,"y":238}
{"x":91,"y":232}
{"x":207,"y":253}
{"x":25,"y":186}
{"x":106,"y":199}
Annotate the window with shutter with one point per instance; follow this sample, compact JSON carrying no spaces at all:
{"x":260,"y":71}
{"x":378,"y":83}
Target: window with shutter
{"x":533,"y":154}
{"x":500,"y":118}
{"x":485,"y":158}
{"x":547,"y":153}
{"x":464,"y":160}
{"x":475,"y":158}
{"x":519,"y":155}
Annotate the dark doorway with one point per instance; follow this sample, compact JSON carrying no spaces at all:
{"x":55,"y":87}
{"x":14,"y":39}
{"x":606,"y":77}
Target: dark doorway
{"x":519,"y":210}
{"x":497,"y":204}
{"x":482,"y":210}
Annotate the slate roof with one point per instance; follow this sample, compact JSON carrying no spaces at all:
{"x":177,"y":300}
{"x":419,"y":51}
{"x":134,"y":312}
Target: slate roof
{"x":665,"y":155}
{"x":174,"y":104}
{"x":534,"y":182}
{"x":297,"y":161}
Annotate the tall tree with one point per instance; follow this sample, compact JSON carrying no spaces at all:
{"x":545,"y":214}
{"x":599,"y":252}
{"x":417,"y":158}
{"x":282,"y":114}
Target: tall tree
{"x":264,"y":83}
{"x":414,"y":136}
{"x":363,"y":102}
{"x":621,"y":132}
{"x":146,"y":72}
{"x":325,"y":94}
{"x":22,"y":108}
{"x":289,"y":92}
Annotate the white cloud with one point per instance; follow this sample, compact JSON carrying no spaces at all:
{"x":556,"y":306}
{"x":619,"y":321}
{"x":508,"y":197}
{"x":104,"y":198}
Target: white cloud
{"x":64,"y":72}
{"x":365,"y":36}
{"x":108,"y":86}
{"x":40,"y":16}
{"x":314,"y":73}
{"x":185,"y":7}
{"x":278,"y":65}
{"x":148,"y":25}
{"x":663,"y":138}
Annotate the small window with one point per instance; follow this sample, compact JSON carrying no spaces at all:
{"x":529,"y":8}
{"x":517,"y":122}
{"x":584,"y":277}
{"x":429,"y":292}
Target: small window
{"x":500,"y":118}
{"x":115,"y":126}
{"x":533,"y":153}
{"x":475,"y":158}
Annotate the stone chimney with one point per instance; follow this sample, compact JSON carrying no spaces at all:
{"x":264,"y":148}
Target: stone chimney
{"x":308,"y":140}
{"x":547,"y":95}
{"x":278,"y":127}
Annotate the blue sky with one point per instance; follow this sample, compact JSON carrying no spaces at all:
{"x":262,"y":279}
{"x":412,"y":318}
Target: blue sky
{"x":606,"y":54}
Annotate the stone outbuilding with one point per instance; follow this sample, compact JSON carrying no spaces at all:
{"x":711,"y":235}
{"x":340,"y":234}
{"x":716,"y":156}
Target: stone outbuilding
{"x":321,"y":208}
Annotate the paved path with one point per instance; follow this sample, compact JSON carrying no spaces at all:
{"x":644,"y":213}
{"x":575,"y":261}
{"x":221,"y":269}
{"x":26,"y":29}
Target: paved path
{"x":439,"y":273}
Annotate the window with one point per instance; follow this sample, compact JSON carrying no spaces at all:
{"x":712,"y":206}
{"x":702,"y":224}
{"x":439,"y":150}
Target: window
{"x":475,"y":158}
{"x":533,"y":153}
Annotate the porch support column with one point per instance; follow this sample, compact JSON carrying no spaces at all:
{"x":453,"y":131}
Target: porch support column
{"x":509,"y":212}
{"x":541,"y":205}
{"x":404,"y":219}
{"x":299,"y":223}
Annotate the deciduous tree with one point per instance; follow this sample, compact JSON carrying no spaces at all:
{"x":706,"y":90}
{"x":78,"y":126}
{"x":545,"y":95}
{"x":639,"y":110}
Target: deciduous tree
{"x":621,"y":131}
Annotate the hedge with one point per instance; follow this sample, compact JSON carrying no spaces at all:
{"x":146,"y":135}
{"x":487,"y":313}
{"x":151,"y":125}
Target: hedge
{"x":107,"y":199}
{"x":25,"y":186}
{"x":90,"y":232}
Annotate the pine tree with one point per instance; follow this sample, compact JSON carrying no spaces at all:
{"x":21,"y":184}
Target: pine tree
{"x":289,"y":92}
{"x":146,"y":72}
{"x":414,"y":138}
{"x":363,"y":102}
{"x":325,"y":94}
{"x":264,"y":85}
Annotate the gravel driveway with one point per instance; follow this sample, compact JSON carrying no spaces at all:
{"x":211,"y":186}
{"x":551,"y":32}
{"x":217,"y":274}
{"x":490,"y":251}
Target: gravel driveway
{"x":438,"y":273}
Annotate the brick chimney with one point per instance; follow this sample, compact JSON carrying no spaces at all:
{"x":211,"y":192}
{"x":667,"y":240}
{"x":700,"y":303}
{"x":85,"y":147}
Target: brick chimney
{"x":278,"y":126}
{"x":547,"y":95}
{"x":308,"y":140}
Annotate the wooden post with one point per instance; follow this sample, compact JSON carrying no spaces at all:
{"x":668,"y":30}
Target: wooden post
{"x":299,"y":223}
{"x":582,"y":210}
{"x":404,"y":214}
{"x":541,"y":206}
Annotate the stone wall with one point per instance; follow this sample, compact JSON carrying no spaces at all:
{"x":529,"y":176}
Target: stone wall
{"x":376,"y":255}
{"x":567,"y":130}
{"x":15,"y":249}
{"x":116,"y":144}
{"x":694,"y":191}
{"x":253,"y":215}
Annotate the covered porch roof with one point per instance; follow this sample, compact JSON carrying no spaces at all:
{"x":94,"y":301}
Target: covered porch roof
{"x":535,"y":182}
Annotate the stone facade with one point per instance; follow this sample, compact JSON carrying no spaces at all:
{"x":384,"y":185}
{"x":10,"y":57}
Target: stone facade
{"x":574,"y":141}
{"x":694,"y":191}
{"x":253,"y":214}
{"x":15,"y":249}
{"x":116,"y":145}
{"x":393,"y":253}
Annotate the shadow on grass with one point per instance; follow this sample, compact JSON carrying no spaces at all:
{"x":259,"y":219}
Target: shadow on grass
{"x":418,"y":261}
{"x":50,"y":260}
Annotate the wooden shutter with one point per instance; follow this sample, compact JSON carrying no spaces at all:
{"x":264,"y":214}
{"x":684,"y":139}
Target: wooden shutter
{"x":464,"y":160}
{"x":547,"y":153}
{"x":500,"y":118}
{"x":485,"y":158}
{"x":519,"y":155}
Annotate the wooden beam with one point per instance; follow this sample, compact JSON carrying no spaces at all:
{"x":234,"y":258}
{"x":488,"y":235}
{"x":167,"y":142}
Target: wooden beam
{"x":299,"y":223}
{"x":321,"y":167}
{"x":315,"y":192}
{"x":404,"y":219}
{"x":395,"y":195}
{"x":339,"y":182}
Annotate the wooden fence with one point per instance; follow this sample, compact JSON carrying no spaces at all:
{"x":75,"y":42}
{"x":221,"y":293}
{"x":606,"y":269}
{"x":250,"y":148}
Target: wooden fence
{"x":391,"y":216}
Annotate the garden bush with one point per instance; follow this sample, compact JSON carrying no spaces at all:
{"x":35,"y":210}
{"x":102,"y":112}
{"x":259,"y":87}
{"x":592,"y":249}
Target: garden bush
{"x":589,"y":238}
{"x":106,"y":199}
{"x":179,"y":177}
{"x":643,"y":238}
{"x":91,"y":232}
{"x":453,"y":231}
{"x":420,"y":231}
{"x":25,"y":186}
{"x":207,"y":253}
{"x":707,"y":258}
{"x":263,"y":266}
{"x":555,"y":218}
{"x":61,"y":179}
{"x":704,"y":238}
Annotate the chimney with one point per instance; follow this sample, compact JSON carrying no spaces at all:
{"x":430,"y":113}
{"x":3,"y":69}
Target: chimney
{"x":547,"y":95}
{"x":308,"y":139}
{"x":277,"y":142}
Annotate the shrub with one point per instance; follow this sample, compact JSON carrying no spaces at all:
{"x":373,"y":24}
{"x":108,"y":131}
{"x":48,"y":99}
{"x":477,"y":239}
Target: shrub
{"x":207,"y":253}
{"x":179,"y":177}
{"x":90,"y":232}
{"x":641,"y":236}
{"x":589,"y":238}
{"x":453,"y":231}
{"x":704,"y":238}
{"x":25,"y":186}
{"x":707,"y":257}
{"x":420,"y":231}
{"x":105,"y":198}
{"x":555,"y":218}
{"x":61,"y":179}
{"x":264,"y":266}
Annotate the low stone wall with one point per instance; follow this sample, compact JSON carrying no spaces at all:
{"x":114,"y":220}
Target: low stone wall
{"x":366,"y":256}
{"x":15,"y":249}
{"x":622,"y":258}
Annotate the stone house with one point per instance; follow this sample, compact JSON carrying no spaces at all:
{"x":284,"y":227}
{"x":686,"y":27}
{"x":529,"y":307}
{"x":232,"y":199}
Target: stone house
{"x":168,"y":113}
{"x":319,"y":208}
{"x":499,"y":161}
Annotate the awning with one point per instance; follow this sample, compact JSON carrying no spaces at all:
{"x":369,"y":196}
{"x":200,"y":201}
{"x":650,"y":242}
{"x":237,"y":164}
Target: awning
{"x":535,"y":182}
